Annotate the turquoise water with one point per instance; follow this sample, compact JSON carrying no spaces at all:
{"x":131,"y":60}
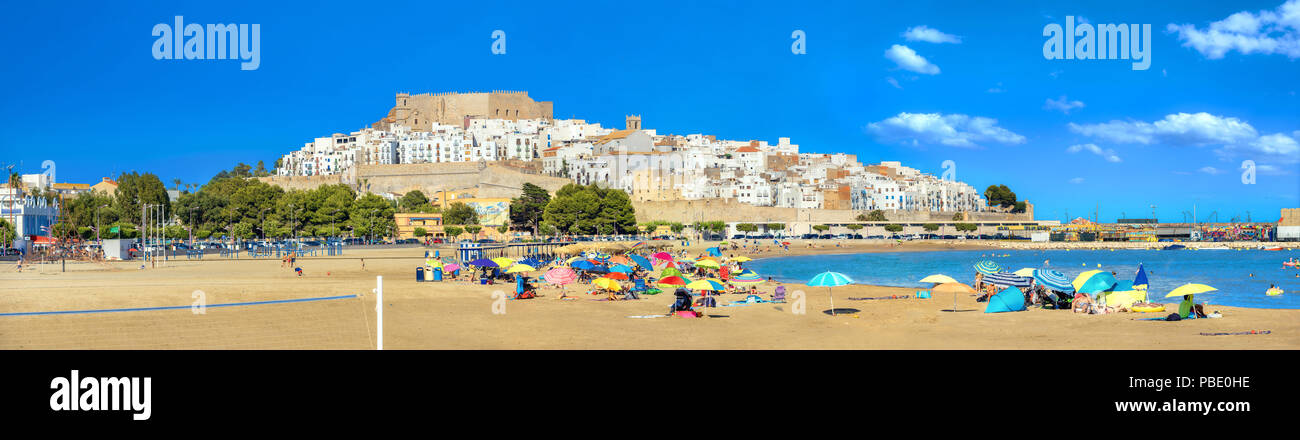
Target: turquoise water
{"x":1229,"y":271}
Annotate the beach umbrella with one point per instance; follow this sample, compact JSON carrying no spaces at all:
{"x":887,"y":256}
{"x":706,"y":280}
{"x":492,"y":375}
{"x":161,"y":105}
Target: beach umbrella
{"x":747,"y":278}
{"x":1140,"y":281}
{"x":954,"y":287}
{"x":638,"y":244}
{"x":937,"y":279}
{"x":663,"y":256}
{"x":1007,"y":280}
{"x":742,"y":259}
{"x":1025,"y":272}
{"x":673,"y":281}
{"x":531,"y":262}
{"x":714,"y":251}
{"x":1054,"y":280}
{"x":620,"y":259}
{"x":1078,"y":280}
{"x":670,"y":271}
{"x":706,"y":284}
{"x":582,"y":265}
{"x":1123,"y":294}
{"x":451,"y":267}
{"x":621,"y":268}
{"x":987,"y":267}
{"x":606,"y":283}
{"x":830,"y":280}
{"x":503,"y":261}
{"x":641,"y":261}
{"x":1190,"y":289}
{"x":1096,"y":283}
{"x":560,"y":275}
{"x":617,"y":276}
{"x":722,"y":243}
{"x":707,"y":263}
{"x":573,"y":259}
{"x":520,"y":268}
{"x":599,"y":269}
{"x":483,"y":262}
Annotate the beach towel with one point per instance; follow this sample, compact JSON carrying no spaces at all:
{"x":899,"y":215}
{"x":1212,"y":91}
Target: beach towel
{"x":866,"y":298}
{"x":1252,"y":332}
{"x":648,"y":316}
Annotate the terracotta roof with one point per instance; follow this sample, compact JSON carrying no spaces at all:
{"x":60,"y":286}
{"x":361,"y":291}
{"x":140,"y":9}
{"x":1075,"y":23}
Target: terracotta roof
{"x":746,"y":150}
{"x":615,"y":135}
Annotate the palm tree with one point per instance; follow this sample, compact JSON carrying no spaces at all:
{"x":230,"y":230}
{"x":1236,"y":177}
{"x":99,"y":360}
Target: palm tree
{"x":15,"y":184}
{"x":177,"y":182}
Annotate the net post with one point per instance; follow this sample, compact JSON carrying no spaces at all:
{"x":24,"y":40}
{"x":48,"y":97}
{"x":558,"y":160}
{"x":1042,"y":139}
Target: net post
{"x":379,"y":312}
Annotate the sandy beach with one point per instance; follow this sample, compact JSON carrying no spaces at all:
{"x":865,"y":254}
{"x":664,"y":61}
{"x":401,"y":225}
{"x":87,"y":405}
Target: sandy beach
{"x":459,"y":315}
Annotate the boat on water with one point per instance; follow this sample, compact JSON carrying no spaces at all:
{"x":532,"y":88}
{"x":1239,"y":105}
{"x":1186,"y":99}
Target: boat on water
{"x":1278,"y":248}
{"x":1173,"y":247}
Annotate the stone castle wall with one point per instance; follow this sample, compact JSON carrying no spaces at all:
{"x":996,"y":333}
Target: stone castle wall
{"x":491,"y":180}
{"x":420,"y":111}
{"x":729,"y":210}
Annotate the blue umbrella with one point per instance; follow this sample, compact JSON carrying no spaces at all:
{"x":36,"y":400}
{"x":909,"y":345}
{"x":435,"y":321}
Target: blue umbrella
{"x":483,"y":262}
{"x":830,"y":279}
{"x":641,"y":261}
{"x":987,"y":267}
{"x":1005,"y":279}
{"x":599,"y":268}
{"x":582,"y":265}
{"x":1099,"y":282}
{"x":1141,"y":278}
{"x":1053,"y":280}
{"x":714,"y":251}
{"x":531,"y":262}
{"x":621,"y":268}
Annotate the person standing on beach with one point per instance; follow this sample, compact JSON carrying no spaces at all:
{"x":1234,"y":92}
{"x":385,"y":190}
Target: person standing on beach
{"x":363,"y":264}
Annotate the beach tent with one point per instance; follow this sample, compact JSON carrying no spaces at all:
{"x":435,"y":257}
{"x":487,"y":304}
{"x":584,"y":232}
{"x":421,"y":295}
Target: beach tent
{"x":714,"y":251}
{"x":1122,"y":295}
{"x":1140,"y":281}
{"x":1010,"y":299}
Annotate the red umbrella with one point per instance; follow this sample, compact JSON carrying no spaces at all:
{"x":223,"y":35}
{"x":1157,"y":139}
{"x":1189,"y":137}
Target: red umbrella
{"x":676,"y":281}
{"x":663,"y":256}
{"x":616,"y":276}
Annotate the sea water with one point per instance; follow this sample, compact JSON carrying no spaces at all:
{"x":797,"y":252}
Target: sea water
{"x":1227,"y":270}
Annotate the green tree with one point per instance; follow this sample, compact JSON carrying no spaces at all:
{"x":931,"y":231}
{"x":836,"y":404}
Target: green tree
{"x":453,"y":231}
{"x":875,"y":215}
{"x":421,"y":232}
{"x":958,"y":217}
{"x":854,"y":227}
{"x":775,"y":226}
{"x":677,"y":228}
{"x":930,"y":227}
{"x":473,"y":230}
{"x":503,"y":229}
{"x":966,"y":227}
{"x":7,"y":233}
{"x":893,"y":227}
{"x":527,"y":210}
{"x":821,"y":228}
{"x":135,"y":190}
{"x":414,"y":201}
{"x":1000,"y":195}
{"x":579,"y":209}
{"x":546,"y":229}
{"x":747,"y":227}
{"x":459,"y":213}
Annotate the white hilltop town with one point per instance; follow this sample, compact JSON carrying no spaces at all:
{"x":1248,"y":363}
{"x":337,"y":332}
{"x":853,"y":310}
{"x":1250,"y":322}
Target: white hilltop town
{"x":500,"y":127}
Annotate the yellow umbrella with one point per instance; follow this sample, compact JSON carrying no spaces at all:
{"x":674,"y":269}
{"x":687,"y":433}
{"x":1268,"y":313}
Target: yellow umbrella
{"x":1190,"y":289}
{"x":503,"y":261}
{"x":1025,"y":272}
{"x":707,"y":263}
{"x":742,"y":259}
{"x":937,"y":279}
{"x":520,"y":268}
{"x":433,"y":263}
{"x":1079,"y":280}
{"x":606,"y":283}
{"x":708,"y":284}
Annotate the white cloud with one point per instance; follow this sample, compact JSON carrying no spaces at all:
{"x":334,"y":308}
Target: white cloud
{"x":1175,"y":129}
{"x":1108,"y":154}
{"x":1210,"y":170}
{"x":1062,"y":104}
{"x":997,"y":89}
{"x":907,"y":59}
{"x":893,"y":82}
{"x":1276,"y":144}
{"x":930,"y":35}
{"x":1076,"y":180}
{"x":954,"y":130}
{"x":1264,"y":32}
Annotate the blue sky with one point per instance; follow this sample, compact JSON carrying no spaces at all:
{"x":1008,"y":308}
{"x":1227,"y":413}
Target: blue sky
{"x":83,"y":90}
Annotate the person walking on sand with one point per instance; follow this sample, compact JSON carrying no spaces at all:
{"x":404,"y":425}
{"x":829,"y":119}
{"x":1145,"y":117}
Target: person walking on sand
{"x":363,"y":264}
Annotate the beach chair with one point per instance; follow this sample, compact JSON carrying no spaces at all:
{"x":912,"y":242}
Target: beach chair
{"x":639,"y":286}
{"x":779,"y":295}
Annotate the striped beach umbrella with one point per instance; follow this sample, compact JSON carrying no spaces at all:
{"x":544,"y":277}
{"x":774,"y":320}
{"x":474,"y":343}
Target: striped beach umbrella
{"x":673,"y":281}
{"x":987,"y":267}
{"x":1054,"y":280}
{"x":1025,"y":272}
{"x":711,"y":264}
{"x":560,"y":275}
{"x":747,"y":278}
{"x":1007,"y":280}
{"x":830,"y":280}
{"x":706,"y":284}
{"x":670,"y":272}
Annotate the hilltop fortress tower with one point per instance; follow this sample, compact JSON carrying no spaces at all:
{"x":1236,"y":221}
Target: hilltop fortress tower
{"x":453,"y":108}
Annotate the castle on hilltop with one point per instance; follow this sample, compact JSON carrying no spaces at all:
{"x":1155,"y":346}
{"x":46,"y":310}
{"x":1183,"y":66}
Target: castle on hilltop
{"x":421,"y":111}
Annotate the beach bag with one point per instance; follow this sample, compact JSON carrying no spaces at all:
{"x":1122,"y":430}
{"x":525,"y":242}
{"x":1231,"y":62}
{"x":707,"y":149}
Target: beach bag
{"x":1173,"y":317}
